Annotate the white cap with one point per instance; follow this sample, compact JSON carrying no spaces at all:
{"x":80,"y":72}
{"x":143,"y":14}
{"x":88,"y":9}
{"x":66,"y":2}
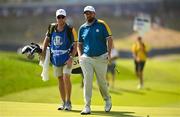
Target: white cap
{"x":89,"y":8}
{"x":60,"y":12}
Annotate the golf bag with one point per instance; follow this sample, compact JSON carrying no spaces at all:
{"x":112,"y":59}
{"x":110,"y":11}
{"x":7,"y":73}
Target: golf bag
{"x":30,"y":50}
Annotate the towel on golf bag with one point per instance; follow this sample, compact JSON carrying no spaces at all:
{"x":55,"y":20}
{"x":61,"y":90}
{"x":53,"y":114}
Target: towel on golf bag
{"x":45,"y":65}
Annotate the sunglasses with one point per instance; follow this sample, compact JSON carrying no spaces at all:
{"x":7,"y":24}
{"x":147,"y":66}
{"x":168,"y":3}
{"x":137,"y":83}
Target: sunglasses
{"x":60,"y":17}
{"x":88,"y":12}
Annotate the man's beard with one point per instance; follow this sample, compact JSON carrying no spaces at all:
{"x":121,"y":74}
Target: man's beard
{"x":90,"y":20}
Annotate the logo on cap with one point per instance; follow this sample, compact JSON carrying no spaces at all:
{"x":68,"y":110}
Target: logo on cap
{"x":60,"y":12}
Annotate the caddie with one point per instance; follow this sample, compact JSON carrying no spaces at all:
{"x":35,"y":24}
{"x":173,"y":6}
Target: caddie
{"x":61,"y":37}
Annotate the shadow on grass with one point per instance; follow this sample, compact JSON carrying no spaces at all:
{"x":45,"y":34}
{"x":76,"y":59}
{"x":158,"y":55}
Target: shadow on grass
{"x":114,"y":113}
{"x":115,"y":92}
{"x":163,"y":91}
{"x":120,"y":90}
{"x":111,"y":114}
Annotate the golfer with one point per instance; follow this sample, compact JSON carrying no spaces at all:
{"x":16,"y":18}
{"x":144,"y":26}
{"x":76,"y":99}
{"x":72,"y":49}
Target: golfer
{"x":94,"y":53}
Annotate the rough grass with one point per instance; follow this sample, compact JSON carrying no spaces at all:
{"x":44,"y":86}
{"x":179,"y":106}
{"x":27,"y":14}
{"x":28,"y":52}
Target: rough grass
{"x":17,"y":74}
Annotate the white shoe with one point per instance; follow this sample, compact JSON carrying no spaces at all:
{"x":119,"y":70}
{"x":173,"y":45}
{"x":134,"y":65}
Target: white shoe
{"x":68,"y":106}
{"x":61,"y":107}
{"x":86,"y":111}
{"x":108,"y":106}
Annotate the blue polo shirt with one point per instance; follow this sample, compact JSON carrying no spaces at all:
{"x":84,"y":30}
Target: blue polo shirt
{"x":94,"y":38}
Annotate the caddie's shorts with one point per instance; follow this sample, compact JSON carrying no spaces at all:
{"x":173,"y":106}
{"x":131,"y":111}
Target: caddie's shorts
{"x":59,"y":71}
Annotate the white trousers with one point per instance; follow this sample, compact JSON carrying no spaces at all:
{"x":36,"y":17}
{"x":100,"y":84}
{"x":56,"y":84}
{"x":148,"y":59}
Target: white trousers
{"x":97,"y":65}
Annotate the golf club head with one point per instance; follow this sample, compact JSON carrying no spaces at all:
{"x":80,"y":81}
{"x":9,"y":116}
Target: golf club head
{"x":36,"y":47}
{"x":26,"y":49}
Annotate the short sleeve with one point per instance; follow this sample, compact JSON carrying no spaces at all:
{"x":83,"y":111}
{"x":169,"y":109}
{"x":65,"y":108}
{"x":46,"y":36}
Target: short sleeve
{"x":106,"y":30}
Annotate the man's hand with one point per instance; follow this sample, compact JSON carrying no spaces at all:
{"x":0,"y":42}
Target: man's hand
{"x":137,"y":59}
{"x":109,"y":58}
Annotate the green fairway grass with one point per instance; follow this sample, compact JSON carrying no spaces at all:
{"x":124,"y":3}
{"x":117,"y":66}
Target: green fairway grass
{"x":121,"y":96}
{"x":17,"y":109}
{"x":20,"y":81}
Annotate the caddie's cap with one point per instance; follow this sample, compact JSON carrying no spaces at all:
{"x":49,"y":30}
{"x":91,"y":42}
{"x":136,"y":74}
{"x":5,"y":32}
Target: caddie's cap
{"x":60,"y":12}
